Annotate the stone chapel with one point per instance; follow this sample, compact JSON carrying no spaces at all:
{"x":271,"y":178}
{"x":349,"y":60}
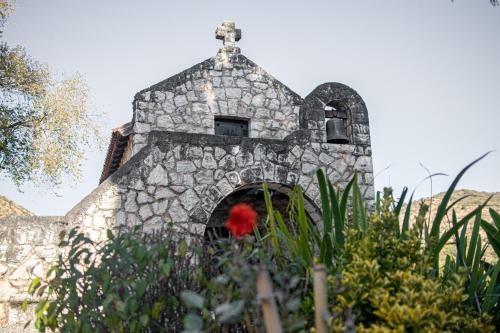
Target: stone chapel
{"x":197,"y":143}
{"x":212,"y":134}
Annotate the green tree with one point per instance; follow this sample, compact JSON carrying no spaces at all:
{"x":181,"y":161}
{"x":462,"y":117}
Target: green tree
{"x":45,"y":124}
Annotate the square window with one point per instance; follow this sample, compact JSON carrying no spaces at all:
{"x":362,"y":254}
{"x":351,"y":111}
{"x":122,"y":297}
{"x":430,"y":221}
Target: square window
{"x":231,"y":127}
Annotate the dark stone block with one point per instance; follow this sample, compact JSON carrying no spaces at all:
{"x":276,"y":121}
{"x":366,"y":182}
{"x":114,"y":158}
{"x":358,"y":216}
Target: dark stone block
{"x":199,"y":215}
{"x":247,"y":176}
{"x":281,"y":174}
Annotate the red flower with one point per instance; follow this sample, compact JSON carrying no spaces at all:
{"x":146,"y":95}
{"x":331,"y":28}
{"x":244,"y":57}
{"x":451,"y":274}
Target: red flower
{"x":242,"y":219}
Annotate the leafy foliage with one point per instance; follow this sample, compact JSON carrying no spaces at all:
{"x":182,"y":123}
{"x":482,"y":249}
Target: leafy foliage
{"x":6,"y":7}
{"x":389,"y":288}
{"x":45,"y":124}
{"x":382,"y":273}
{"x":126,"y":283}
{"x":160,"y":283}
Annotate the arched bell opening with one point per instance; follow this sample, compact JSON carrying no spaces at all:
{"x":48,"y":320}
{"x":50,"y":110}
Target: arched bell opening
{"x":338,"y":122}
{"x":253,"y":195}
{"x":334,"y":111}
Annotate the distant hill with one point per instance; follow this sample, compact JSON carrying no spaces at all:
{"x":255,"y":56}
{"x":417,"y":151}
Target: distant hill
{"x":10,"y":208}
{"x":474,"y":199}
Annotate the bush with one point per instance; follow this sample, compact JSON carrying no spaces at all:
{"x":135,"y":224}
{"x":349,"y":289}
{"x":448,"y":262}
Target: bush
{"x":161,"y":283}
{"x":382,"y":276}
{"x":389,"y":288}
{"x":128,"y":283}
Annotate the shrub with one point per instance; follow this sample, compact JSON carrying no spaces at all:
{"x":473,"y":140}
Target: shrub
{"x":128,"y":283}
{"x":389,"y":288}
{"x":383,"y":276}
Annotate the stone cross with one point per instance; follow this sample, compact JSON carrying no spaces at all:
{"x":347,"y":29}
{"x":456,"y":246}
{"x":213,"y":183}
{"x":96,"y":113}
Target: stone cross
{"x":228,"y":33}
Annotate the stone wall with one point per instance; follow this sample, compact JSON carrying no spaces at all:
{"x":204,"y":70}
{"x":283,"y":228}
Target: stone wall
{"x":181,"y":177}
{"x":227,"y":85}
{"x":26,"y":243}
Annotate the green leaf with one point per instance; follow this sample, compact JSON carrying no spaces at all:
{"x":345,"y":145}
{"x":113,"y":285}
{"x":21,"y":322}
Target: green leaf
{"x":120,"y":306}
{"x":285,"y":234}
{"x":496,"y":217}
{"x":110,"y":235}
{"x":144,"y":320}
{"x":325,"y":204}
{"x":490,"y":297}
{"x":377,"y":202}
{"x":192,"y":299}
{"x":140,"y":288}
{"x":358,"y":207}
{"x":475,"y":270}
{"x":183,"y":249}
{"x":35,"y":283}
{"x":157,"y":309}
{"x":270,"y":219}
{"x":345,"y":195}
{"x":229,"y":312}
{"x":474,"y":238}
{"x":461,"y":241}
{"x":406,"y":219}
{"x":453,"y":230}
{"x":338,"y":219}
{"x":40,"y":307}
{"x":303,"y":228}
{"x":401,"y":201}
{"x":442,"y":208}
{"x":24,"y":306}
{"x":193,"y":323}
{"x":493,"y":236}
{"x":166,"y":269}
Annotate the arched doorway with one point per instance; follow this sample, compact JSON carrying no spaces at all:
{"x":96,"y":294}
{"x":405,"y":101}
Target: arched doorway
{"x":253,"y":195}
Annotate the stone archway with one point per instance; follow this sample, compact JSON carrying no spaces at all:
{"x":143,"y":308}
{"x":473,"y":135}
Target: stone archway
{"x":253,"y":195}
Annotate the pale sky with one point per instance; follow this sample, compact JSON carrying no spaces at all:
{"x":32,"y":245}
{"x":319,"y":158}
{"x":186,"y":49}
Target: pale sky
{"x":428,"y":71}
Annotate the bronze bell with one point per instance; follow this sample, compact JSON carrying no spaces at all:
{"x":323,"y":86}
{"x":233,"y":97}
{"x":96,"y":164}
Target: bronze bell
{"x":335,"y":131}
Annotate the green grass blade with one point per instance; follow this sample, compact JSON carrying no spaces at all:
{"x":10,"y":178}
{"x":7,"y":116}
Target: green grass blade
{"x":453,"y":230}
{"x":406,"y":219}
{"x":286,"y":236}
{"x":303,"y":228}
{"x":327,"y":249}
{"x":473,"y":239}
{"x":315,"y":234}
{"x":359,"y":209}
{"x":325,"y":202}
{"x":461,"y":242}
{"x":493,"y":236}
{"x":475,"y":270}
{"x":338,"y":218}
{"x":282,"y":226}
{"x":271,"y":221}
{"x":495,"y":217}
{"x":377,"y":202}
{"x":401,"y":201}
{"x":258,"y":236}
{"x":442,"y":208}
{"x":345,"y":195}
{"x":490,"y":298}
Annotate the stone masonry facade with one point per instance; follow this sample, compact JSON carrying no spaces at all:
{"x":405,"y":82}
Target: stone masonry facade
{"x":178,"y":171}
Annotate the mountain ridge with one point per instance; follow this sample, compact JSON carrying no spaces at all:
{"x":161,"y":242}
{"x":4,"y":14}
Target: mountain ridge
{"x":10,"y":208}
